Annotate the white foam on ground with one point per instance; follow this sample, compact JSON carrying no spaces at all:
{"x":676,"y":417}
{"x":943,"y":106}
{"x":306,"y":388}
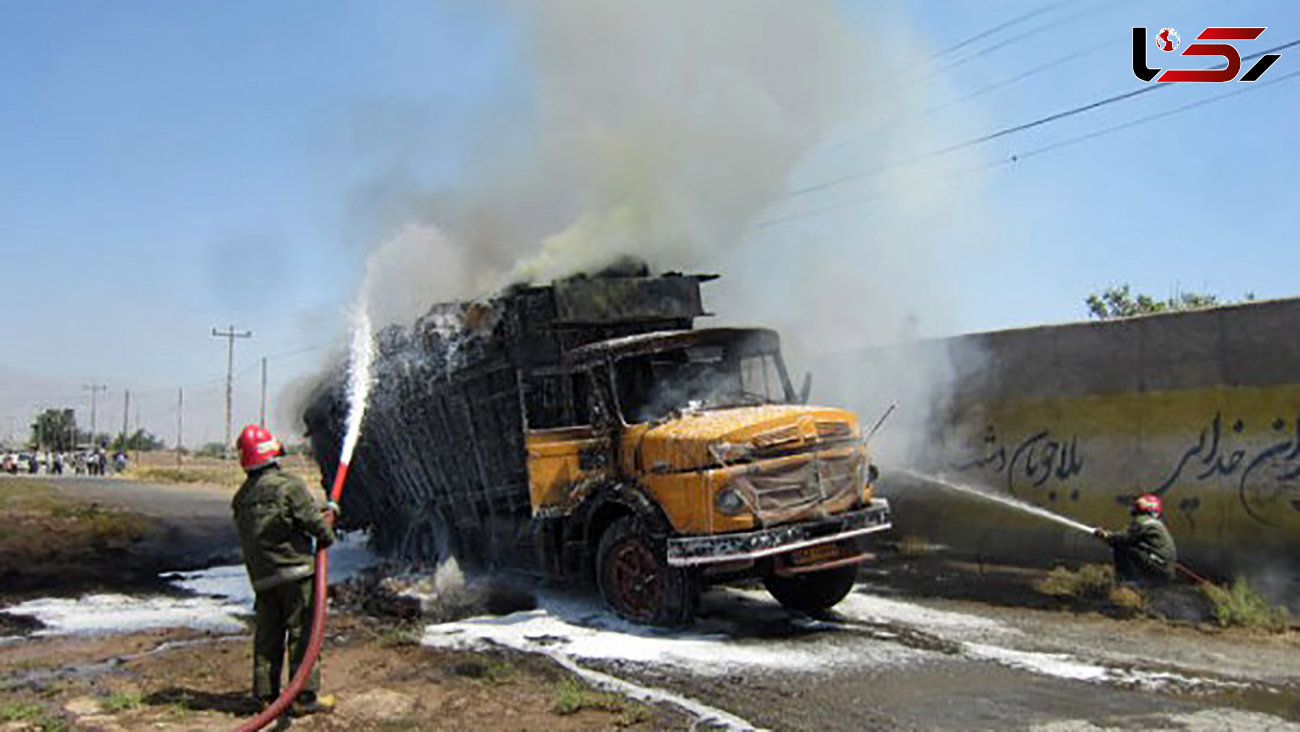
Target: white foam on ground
{"x":223,"y":596}
{"x":872,"y":609}
{"x":99,"y":614}
{"x":1065,"y":666}
{"x":714,"y":646}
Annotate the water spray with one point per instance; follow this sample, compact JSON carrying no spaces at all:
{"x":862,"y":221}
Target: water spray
{"x":1004,"y":500}
{"x":359,"y":381}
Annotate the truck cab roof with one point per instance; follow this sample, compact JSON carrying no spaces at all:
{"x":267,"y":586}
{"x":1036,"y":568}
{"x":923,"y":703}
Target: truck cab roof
{"x":745,"y":341}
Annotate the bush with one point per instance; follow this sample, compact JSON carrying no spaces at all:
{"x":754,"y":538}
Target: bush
{"x":1091,"y":581}
{"x":1241,"y":606}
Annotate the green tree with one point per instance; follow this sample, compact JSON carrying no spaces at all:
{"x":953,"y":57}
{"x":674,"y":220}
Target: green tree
{"x":1120,"y":302}
{"x":55,"y":429}
{"x":140,"y":440}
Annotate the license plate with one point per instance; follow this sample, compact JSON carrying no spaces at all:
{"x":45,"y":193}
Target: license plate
{"x":815,"y":554}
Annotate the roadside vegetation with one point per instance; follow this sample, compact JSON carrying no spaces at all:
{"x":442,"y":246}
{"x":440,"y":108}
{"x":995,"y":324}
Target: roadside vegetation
{"x":573,"y":695}
{"x":1241,"y":606}
{"x":40,"y":524}
{"x":162,"y":466}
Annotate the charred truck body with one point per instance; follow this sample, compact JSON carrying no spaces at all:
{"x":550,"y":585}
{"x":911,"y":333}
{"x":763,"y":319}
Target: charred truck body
{"x":585,"y":430}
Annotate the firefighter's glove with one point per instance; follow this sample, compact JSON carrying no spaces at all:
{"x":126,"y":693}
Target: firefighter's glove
{"x":330,"y":513}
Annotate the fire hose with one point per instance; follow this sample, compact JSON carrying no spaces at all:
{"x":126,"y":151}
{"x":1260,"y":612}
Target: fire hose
{"x":271,"y":713}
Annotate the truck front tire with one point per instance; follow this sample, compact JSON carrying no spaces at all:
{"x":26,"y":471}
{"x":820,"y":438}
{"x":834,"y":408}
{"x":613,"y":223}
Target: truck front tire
{"x":636,"y":580}
{"x":812,"y":592}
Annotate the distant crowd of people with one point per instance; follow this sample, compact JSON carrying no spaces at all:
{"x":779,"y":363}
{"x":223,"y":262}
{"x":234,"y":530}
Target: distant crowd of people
{"x":94,"y":461}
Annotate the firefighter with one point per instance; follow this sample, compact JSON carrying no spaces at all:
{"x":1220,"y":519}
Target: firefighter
{"x":1145,"y":554}
{"x":277,"y":521}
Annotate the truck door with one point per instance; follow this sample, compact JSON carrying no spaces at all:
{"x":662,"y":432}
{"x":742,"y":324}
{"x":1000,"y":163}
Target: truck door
{"x":568,"y":454}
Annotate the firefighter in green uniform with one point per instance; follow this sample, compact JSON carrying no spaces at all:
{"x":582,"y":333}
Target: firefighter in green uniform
{"x":277,"y":521}
{"x":1145,"y":554}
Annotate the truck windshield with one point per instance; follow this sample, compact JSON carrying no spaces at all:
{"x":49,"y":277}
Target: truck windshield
{"x":653,"y":386}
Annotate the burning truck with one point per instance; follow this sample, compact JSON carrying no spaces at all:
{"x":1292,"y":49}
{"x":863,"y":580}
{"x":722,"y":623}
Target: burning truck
{"x":586,"y":430}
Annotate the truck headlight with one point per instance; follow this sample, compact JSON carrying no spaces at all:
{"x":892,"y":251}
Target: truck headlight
{"x":729,"y":501}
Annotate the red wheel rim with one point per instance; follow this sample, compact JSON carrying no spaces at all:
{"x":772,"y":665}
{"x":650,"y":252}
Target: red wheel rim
{"x":636,"y":578}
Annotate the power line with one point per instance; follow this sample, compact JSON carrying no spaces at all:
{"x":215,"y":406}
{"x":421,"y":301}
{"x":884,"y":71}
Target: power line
{"x":1038,"y":151}
{"x":1006,"y":131}
{"x":1001,"y":26}
{"x":1141,"y":120}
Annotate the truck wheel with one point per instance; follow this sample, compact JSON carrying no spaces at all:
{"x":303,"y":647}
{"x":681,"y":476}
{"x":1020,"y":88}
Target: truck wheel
{"x":812,"y":592}
{"x":636,"y":580}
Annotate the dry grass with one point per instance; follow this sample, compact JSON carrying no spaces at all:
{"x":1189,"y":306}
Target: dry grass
{"x":1091,"y":581}
{"x":162,"y":467}
{"x":1242,"y":606}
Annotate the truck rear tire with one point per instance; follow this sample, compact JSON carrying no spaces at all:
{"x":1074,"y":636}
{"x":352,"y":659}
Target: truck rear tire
{"x":636,"y":580}
{"x":812,"y":592}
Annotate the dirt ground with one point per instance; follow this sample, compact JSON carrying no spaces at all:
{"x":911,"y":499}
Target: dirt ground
{"x":54,"y":541}
{"x":176,"y":680}
{"x":931,"y":643}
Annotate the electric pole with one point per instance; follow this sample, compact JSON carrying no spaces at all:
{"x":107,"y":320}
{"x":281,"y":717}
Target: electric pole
{"x":262,"y":421}
{"x":180,"y":408}
{"x":230,"y":335}
{"x":126,"y":412}
{"x":95,"y":389}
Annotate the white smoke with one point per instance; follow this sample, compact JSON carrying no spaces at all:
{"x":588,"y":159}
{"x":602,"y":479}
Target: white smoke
{"x":673,"y":131}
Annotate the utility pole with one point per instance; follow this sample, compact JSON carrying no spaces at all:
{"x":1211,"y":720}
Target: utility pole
{"x":95,"y":389}
{"x":230,"y":335}
{"x":126,"y":412}
{"x":180,"y":408}
{"x":262,"y":420}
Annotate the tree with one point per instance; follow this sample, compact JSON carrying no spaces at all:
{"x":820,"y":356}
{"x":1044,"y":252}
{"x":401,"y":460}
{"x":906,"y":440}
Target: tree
{"x":1119,"y":302}
{"x":55,"y":429}
{"x":140,"y":440}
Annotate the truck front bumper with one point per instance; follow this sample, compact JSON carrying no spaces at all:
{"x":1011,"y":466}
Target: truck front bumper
{"x":687,"y":551}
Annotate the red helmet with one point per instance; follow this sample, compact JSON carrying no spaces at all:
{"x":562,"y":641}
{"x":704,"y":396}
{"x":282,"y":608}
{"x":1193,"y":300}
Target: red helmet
{"x":1148,"y":503}
{"x":257,"y":447}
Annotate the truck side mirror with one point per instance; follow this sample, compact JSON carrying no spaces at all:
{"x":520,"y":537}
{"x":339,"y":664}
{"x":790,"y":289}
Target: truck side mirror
{"x":806,"y":389}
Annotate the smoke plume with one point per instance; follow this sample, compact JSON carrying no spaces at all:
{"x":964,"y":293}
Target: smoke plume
{"x":674,"y":131}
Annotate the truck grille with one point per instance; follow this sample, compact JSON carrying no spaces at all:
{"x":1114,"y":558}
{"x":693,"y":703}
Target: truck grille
{"x":792,"y":492}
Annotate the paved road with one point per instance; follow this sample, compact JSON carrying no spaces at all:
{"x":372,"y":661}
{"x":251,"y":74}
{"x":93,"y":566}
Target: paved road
{"x":899,"y":663}
{"x":196,"y":523}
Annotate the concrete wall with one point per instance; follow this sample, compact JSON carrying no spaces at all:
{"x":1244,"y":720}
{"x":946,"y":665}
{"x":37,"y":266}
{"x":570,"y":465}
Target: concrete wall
{"x":1202,"y":408}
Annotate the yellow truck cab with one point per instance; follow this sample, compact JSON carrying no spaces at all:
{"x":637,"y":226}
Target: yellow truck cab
{"x":585,"y":430}
{"x":730,"y":477}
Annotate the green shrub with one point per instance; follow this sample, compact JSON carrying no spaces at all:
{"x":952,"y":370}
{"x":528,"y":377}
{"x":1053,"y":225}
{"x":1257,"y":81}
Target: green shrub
{"x":1241,"y":606}
{"x":573,"y":696}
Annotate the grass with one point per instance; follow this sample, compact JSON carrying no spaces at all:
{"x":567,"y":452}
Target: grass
{"x":1091,"y":581}
{"x":1240,"y":605}
{"x":400,"y":634}
{"x":34,"y":714}
{"x":161,"y":467}
{"x":122,"y":701}
{"x":38,"y":523}
{"x":488,"y":670}
{"x":573,"y":696}
{"x":20,"y":711}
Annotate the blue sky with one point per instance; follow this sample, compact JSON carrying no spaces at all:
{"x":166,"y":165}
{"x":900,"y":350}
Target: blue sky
{"x":170,"y":167}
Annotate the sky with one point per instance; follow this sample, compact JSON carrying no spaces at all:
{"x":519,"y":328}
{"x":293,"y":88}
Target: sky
{"x":173,"y":167}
